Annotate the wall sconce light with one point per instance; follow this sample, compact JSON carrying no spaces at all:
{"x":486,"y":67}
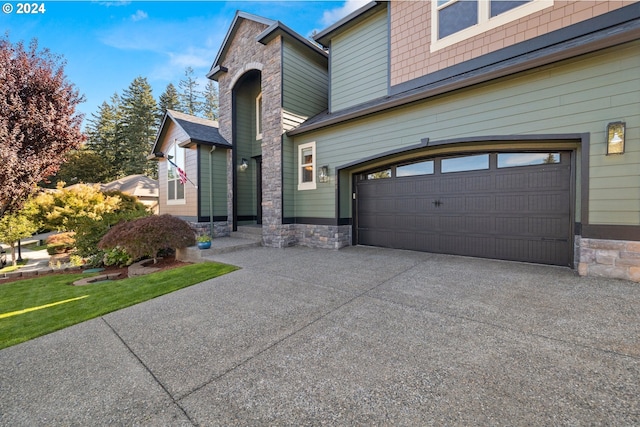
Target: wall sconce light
{"x":615,"y":138}
{"x":244,"y":164}
{"x":323,"y":174}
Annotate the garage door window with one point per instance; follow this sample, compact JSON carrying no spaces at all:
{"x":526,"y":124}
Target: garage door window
{"x":382,"y":174}
{"x":414,"y":169}
{"x":510,"y":160}
{"x":466,"y":163}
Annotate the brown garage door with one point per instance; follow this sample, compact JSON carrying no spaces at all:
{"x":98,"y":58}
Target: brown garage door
{"x":512,"y":206}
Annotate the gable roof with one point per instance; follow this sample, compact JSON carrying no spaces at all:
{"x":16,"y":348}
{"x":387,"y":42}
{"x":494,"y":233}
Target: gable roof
{"x":200,"y":131}
{"x":273,"y":29}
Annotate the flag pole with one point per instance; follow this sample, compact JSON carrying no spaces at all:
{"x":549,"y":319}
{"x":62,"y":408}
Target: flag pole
{"x":185,"y":174}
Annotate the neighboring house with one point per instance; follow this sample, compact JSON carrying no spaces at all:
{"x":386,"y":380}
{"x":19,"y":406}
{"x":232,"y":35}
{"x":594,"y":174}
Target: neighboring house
{"x":141,"y":187}
{"x":497,"y":129}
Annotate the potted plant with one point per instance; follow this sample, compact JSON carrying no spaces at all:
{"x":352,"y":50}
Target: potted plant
{"x":204,"y":242}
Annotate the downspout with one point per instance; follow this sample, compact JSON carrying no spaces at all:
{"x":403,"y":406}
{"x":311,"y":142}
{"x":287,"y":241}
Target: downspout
{"x":213,"y":148}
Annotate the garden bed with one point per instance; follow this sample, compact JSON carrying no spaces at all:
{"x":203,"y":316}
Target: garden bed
{"x":165,"y":263}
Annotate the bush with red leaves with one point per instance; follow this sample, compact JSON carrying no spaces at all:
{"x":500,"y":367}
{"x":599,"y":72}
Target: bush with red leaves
{"x":145,"y":237}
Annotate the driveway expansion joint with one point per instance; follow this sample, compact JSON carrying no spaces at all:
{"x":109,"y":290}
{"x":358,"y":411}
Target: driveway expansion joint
{"x":146,"y":368}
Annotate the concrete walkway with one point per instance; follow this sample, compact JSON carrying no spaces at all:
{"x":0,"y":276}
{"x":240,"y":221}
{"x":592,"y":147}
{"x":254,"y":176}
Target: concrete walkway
{"x":360,"y":336}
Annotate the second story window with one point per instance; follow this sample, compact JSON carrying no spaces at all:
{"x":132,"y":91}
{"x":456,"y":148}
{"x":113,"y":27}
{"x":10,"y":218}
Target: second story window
{"x":456,"y":20}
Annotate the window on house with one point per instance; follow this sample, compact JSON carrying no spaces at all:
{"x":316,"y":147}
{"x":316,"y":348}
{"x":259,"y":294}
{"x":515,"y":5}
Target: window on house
{"x":307,"y":166}
{"x":175,"y":189}
{"x":259,"y":116}
{"x":457,"y":20}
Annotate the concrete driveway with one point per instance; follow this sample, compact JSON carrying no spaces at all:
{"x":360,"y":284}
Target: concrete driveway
{"x":360,"y":336}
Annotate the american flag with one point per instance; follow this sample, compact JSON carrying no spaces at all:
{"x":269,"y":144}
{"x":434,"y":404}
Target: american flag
{"x":182,"y":175}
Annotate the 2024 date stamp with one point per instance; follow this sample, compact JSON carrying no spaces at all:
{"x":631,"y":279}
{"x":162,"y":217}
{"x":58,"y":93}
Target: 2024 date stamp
{"x":24,"y":8}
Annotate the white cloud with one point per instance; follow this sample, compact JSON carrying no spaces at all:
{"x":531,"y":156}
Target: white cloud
{"x":331,"y":16}
{"x":139,"y":16}
{"x":192,"y":57}
{"x":114,"y":3}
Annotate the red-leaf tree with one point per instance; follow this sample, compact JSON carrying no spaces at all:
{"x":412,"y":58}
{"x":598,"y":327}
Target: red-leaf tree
{"x":38,"y":120}
{"x":149,"y":235}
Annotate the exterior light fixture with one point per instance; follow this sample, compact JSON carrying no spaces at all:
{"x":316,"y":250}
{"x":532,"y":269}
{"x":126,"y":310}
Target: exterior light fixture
{"x":244,"y":164}
{"x":615,"y":138}
{"x":323,"y":174}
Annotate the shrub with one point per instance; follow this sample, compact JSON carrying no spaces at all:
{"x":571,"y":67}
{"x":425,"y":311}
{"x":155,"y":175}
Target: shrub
{"x":63,"y":208}
{"x":60,"y":243}
{"x":117,"y":256}
{"x":90,"y":232}
{"x":128,"y":203}
{"x":145,"y":237}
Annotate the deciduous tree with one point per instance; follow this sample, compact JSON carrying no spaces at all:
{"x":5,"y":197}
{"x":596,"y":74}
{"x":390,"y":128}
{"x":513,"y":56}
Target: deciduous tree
{"x":38,"y":120}
{"x":147,"y":236}
{"x":13,"y":227}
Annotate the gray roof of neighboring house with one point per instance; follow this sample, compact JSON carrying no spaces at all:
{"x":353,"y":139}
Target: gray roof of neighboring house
{"x":134,"y":185}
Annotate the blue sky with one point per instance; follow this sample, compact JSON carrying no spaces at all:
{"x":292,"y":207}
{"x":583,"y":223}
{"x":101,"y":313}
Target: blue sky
{"x":109,"y":43}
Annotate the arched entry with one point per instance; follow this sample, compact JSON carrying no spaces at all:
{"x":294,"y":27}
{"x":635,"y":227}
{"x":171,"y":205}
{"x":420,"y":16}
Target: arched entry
{"x":247,"y":151}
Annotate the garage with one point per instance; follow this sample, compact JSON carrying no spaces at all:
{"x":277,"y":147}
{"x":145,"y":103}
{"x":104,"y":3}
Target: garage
{"x":511,"y":206}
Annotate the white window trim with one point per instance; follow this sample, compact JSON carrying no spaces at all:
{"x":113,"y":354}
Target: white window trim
{"x":485,"y":23}
{"x":258,"y":116}
{"x":174,"y":148}
{"x":307,"y":185}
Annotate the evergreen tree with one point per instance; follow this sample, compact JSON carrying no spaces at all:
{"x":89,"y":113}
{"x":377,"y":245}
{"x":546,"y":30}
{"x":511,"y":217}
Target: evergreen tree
{"x":210,"y":106}
{"x":190,"y":97}
{"x":104,"y":132}
{"x":169,"y":100}
{"x":139,"y":126}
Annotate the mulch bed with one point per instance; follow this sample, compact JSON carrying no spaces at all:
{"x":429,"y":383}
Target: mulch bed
{"x":165,"y":263}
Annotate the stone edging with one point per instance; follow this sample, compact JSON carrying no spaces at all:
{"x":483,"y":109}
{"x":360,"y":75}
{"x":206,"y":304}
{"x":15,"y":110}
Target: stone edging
{"x":95,"y":279}
{"x":140,"y":268}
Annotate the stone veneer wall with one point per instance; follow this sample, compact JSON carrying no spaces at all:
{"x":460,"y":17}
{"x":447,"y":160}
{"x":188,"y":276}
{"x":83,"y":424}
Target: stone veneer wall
{"x":246,"y":54}
{"x":220,"y":228}
{"x":608,"y":258}
{"x":323,"y":236}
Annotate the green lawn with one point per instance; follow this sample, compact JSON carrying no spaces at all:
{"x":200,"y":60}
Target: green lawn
{"x":101,"y":298}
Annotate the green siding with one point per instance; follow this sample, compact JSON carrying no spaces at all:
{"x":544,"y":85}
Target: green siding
{"x":219,"y":161}
{"x":360,"y":63}
{"x":305,"y":93}
{"x":305,"y":82}
{"x":576,"y":96}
